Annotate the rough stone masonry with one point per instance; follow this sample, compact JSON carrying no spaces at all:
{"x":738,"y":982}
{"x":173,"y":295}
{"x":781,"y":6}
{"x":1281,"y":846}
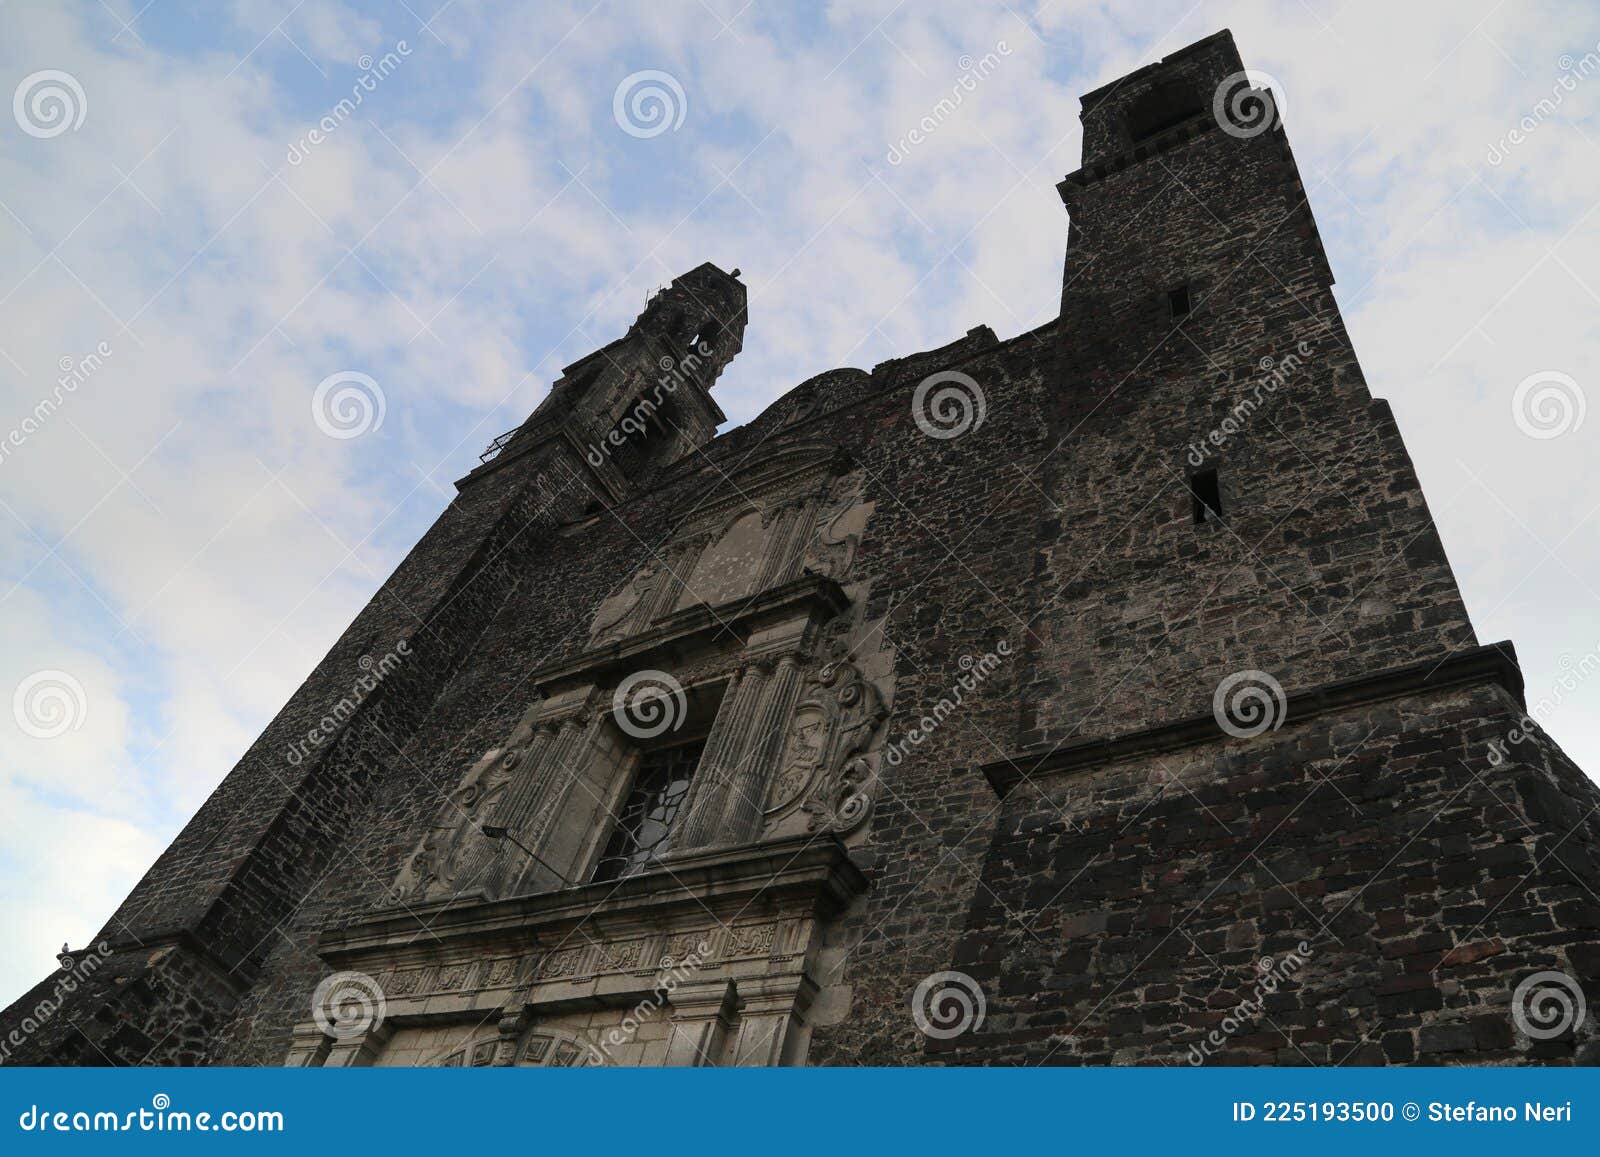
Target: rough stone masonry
{"x":1098,"y":696}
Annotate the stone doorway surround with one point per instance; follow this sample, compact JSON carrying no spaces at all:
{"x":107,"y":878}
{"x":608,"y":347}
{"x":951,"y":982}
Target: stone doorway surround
{"x":723,"y":947}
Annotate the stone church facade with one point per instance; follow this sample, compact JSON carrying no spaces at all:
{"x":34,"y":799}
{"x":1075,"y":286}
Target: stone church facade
{"x":1098,"y":696}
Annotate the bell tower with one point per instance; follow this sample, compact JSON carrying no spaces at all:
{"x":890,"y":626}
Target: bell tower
{"x":635,"y":406}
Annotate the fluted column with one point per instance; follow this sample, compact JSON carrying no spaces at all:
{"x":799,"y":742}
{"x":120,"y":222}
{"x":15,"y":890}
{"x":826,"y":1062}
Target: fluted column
{"x":786,"y":544}
{"x":751,"y":777}
{"x":524,"y":814}
{"x":518,"y":803}
{"x":725,"y":747}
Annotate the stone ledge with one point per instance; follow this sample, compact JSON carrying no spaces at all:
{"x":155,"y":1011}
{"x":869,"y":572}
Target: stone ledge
{"x":695,"y":624}
{"x":802,"y":875}
{"x":1494,"y":663}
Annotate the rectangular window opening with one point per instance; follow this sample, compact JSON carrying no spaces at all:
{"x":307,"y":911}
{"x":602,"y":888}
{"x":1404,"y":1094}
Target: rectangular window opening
{"x":1207,"y":492}
{"x":1178,"y":301}
{"x":650,"y":810}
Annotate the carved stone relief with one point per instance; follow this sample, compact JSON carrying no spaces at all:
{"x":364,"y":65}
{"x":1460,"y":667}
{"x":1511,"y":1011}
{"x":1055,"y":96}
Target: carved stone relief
{"x":435,"y":865}
{"x":832,"y":552}
{"x":828,"y":779}
{"x":619,"y":615}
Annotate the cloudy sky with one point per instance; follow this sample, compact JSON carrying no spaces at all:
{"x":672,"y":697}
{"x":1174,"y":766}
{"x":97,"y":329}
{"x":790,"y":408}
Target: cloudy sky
{"x":183,"y":533}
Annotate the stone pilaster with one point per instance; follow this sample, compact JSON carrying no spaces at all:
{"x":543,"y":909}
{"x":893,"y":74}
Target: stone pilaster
{"x":725,"y":749}
{"x":702,"y":1016}
{"x":751,"y":778}
{"x":485,"y":862}
{"x":772,"y":1028}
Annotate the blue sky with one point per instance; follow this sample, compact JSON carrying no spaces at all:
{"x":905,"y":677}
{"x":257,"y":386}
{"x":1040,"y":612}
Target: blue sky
{"x":182,"y":540}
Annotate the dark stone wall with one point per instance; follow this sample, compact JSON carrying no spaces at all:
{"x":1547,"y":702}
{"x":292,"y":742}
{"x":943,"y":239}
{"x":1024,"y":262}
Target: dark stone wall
{"x":1126,"y":910}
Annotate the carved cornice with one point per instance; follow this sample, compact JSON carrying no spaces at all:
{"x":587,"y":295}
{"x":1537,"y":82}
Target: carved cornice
{"x":801,"y":877}
{"x":697,"y":627}
{"x":1495,"y":663}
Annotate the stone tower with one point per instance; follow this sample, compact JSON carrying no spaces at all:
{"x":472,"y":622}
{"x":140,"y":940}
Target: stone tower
{"x":1105,"y":690}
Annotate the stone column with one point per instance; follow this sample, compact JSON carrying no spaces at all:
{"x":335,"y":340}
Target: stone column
{"x":701,"y":1017}
{"x":751,"y":778}
{"x":546,"y":768}
{"x":564,"y":766}
{"x":772,"y":1028}
{"x":308,"y":1046}
{"x":360,"y":1051}
{"x":786,"y":543}
{"x":725,"y":748}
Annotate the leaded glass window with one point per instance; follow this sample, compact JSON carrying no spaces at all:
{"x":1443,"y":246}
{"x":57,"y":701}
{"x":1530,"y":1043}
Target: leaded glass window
{"x":649,"y":811}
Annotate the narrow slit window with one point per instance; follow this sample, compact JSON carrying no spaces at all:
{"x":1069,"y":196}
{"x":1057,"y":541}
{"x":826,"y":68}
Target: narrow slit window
{"x":1178,"y":301}
{"x":1207,"y":494}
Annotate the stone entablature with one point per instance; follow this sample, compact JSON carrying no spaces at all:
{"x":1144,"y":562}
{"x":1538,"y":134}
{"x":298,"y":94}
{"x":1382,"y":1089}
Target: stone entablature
{"x":736,"y":929}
